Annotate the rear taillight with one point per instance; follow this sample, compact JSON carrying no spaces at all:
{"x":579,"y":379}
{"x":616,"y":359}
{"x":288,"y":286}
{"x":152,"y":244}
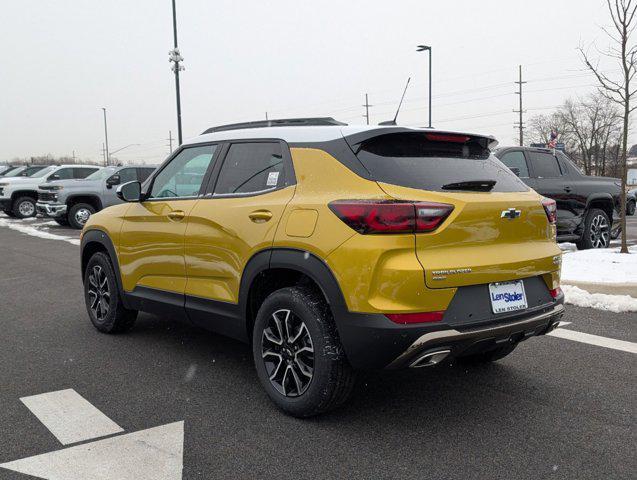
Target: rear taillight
{"x":388,"y":216}
{"x":423,"y":317}
{"x":447,"y":137}
{"x":555,"y":292}
{"x":550,"y":207}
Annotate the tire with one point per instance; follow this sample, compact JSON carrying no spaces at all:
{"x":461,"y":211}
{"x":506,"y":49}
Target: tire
{"x":24,"y":207}
{"x":630,"y":209}
{"x":596,"y":230}
{"x":100,"y":285}
{"x":62,"y":221}
{"x":488,"y":356}
{"x":79,"y":214}
{"x":614,"y":234}
{"x":331,"y":378}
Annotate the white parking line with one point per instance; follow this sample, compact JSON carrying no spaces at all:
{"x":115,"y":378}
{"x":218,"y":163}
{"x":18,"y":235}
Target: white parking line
{"x":622,"y":345}
{"x":70,"y":417}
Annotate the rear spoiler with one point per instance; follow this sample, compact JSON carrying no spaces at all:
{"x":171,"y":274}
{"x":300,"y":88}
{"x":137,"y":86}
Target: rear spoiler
{"x":355,"y":140}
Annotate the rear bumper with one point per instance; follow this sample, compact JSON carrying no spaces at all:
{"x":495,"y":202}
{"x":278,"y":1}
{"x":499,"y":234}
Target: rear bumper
{"x":372,"y":341}
{"x":51,"y":209}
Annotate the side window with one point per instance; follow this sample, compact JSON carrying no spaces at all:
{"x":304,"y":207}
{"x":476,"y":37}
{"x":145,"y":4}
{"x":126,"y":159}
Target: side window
{"x":516,"y":162}
{"x":251,"y":168}
{"x":83,"y":172}
{"x":144,"y":173}
{"x":544,"y":165}
{"x":61,"y":174}
{"x":127,"y":175}
{"x":182,"y":177}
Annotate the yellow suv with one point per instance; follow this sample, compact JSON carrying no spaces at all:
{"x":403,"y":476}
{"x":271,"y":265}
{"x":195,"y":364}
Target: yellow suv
{"x":331,"y":248}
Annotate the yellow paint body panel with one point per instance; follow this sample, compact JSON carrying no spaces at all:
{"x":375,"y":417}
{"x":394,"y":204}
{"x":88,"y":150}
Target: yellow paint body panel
{"x":221,"y":238}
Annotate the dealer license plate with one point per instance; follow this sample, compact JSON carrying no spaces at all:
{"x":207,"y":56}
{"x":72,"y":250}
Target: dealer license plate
{"x":507,"y":296}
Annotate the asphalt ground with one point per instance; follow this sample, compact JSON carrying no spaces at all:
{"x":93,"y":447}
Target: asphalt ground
{"x":555,"y":408}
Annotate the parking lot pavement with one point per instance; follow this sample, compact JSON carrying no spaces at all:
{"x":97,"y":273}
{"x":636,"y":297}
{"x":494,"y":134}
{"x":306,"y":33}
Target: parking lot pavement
{"x":555,"y":408}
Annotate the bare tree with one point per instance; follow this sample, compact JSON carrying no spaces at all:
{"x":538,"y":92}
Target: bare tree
{"x":618,"y":90}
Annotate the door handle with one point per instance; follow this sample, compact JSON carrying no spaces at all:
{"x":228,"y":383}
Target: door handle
{"x":176,"y":215}
{"x":567,"y":189}
{"x":260,"y":216}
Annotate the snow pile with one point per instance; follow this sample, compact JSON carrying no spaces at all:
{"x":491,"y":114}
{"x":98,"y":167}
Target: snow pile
{"x":613,"y":303}
{"x":602,"y":265}
{"x":34,"y":232}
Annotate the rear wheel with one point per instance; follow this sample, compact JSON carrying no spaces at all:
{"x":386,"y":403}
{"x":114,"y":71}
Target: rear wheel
{"x":298,"y":355}
{"x":24,"y":207}
{"x":103,"y":303}
{"x":488,"y":356}
{"x":79,"y":215}
{"x":596,"y":230}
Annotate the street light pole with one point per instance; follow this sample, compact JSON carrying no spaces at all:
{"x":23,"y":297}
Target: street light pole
{"x":422,"y":48}
{"x":175,"y":57}
{"x":106,"y":158}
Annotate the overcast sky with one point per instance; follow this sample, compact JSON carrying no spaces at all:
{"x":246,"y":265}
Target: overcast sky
{"x":64,"y":60}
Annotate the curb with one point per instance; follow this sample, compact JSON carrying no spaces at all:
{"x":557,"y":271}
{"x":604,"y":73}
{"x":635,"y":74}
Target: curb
{"x":606,"y":288}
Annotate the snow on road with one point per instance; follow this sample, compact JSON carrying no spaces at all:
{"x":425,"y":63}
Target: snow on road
{"x":25,"y":226}
{"x":613,"y":303}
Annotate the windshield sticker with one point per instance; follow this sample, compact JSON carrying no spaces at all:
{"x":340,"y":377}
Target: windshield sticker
{"x":273,"y":179}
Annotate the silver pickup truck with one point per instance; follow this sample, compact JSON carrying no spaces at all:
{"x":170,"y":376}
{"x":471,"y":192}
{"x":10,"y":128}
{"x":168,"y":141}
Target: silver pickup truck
{"x":71,"y":202}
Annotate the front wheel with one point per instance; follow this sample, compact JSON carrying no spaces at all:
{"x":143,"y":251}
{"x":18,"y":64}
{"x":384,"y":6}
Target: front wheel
{"x":103,"y":303}
{"x":298,"y":355}
{"x":79,"y":215}
{"x":597,"y":230}
{"x":24,"y":207}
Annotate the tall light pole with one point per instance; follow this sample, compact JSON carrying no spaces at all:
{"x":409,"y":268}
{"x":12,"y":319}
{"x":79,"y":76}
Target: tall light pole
{"x":422,"y":48}
{"x":105,"y":138}
{"x":175,"y":57}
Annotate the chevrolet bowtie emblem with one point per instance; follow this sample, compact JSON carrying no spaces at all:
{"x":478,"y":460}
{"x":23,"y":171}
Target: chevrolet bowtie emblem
{"x":511,"y":213}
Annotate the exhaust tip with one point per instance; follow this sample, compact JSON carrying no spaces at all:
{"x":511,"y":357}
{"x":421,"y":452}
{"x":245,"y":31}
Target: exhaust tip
{"x":430,"y":359}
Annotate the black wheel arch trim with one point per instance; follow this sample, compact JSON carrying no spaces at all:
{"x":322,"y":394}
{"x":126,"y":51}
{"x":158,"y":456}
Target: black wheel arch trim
{"x":100,"y":237}
{"x":603,"y":197}
{"x":71,"y":200}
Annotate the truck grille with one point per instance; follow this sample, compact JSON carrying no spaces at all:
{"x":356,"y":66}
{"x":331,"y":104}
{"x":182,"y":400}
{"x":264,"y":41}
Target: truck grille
{"x":47,"y":196}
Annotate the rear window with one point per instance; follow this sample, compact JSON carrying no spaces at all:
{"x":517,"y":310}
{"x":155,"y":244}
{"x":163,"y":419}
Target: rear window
{"x":411,"y":160}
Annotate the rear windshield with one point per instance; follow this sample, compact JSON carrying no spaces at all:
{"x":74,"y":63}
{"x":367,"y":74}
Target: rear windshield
{"x":411,"y":160}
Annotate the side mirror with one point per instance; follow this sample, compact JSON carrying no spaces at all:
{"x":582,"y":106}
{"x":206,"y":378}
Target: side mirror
{"x":516,"y":170}
{"x":54,"y":176}
{"x":130,"y":192}
{"x":113,"y":180}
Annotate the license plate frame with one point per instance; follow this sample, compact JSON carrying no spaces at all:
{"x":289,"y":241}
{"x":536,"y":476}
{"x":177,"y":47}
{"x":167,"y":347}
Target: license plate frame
{"x":504,"y":296}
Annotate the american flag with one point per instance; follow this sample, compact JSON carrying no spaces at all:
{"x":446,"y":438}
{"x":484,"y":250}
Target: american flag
{"x":553,"y":142}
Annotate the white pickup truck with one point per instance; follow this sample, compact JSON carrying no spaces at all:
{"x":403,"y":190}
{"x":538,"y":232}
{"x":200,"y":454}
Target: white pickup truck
{"x":18,"y":195}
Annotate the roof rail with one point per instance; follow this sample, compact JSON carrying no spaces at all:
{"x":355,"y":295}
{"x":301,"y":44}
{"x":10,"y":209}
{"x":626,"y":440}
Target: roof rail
{"x":284,"y":122}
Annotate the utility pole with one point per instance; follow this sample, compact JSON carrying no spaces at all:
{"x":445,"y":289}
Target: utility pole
{"x":73,"y":156}
{"x":103,"y":153}
{"x":175,"y":57}
{"x":427,"y":48}
{"x":367,"y":105}
{"x":170,"y":140}
{"x":105,"y":138}
{"x":520,"y":123}
{"x":266,"y":117}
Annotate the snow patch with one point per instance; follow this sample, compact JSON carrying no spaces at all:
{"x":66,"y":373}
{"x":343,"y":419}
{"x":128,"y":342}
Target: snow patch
{"x":612,"y":303}
{"x":34,"y":232}
{"x":602,"y":265}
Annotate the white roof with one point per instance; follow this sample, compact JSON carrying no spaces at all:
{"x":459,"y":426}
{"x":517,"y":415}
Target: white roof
{"x":300,"y":134}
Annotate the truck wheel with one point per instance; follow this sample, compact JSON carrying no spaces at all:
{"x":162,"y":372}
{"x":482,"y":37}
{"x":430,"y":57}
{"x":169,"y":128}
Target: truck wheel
{"x":488,"y":356}
{"x":630,"y":209}
{"x":24,"y":207}
{"x":79,"y":215}
{"x":298,"y":355}
{"x":596,"y":230}
{"x":103,"y":303}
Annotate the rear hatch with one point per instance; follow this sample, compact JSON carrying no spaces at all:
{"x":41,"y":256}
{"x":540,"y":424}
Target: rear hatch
{"x":498,"y":229}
